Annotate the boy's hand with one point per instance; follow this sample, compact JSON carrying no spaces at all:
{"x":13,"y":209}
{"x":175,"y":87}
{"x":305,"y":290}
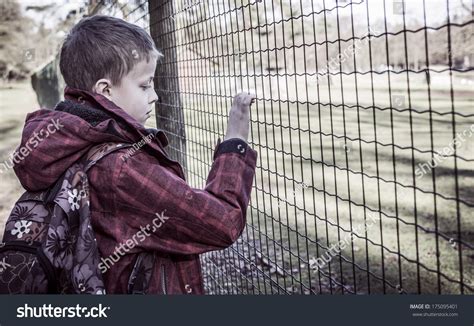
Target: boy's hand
{"x":239,"y":116}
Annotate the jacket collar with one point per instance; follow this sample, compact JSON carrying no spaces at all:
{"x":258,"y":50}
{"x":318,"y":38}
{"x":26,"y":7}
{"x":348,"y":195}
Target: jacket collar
{"x":95,"y":108}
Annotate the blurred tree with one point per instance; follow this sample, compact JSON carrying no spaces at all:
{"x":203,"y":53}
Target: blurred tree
{"x":14,"y":28}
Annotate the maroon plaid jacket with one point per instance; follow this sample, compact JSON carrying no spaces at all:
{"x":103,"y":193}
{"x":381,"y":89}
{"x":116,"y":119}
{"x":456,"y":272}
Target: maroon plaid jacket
{"x":131,"y":188}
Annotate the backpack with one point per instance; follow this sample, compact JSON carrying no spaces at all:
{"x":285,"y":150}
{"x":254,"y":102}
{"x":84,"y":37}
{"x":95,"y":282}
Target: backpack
{"x":48,"y":244}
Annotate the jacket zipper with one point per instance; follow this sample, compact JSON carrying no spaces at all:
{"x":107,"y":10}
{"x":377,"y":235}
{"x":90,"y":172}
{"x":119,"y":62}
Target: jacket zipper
{"x":163,"y":278}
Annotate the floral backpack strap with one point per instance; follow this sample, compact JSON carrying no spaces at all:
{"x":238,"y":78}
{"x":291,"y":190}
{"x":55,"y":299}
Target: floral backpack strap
{"x":98,"y":152}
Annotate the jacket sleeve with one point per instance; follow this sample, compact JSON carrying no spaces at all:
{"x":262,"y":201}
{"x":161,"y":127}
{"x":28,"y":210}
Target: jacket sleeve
{"x":161,"y":212}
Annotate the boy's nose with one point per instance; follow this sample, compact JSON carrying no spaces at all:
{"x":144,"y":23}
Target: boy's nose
{"x":155,"y":98}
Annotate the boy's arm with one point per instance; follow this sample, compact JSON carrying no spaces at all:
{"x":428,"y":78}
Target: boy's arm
{"x":185,"y":220}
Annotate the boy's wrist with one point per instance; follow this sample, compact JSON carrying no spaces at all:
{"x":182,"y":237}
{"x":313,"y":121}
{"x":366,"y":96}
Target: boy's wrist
{"x":232,"y":145}
{"x":228,"y":137}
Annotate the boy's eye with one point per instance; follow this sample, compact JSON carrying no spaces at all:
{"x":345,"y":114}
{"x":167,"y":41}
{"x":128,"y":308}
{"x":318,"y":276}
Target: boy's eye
{"x":146,"y":87}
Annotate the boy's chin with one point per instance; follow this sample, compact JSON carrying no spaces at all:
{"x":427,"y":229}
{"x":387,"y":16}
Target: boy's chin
{"x":143,"y":120}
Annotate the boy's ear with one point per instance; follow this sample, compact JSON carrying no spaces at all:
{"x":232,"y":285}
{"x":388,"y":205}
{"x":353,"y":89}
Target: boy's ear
{"x":104,"y":87}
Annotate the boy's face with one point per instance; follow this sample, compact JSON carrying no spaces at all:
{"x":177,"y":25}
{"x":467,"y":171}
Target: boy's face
{"x":135,"y":94}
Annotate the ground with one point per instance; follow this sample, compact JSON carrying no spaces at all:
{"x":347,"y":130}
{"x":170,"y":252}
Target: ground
{"x":300,"y":207}
{"x":306,"y":199}
{"x":16,"y":101}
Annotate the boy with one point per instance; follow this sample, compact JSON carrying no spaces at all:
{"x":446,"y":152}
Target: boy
{"x":140,"y":201}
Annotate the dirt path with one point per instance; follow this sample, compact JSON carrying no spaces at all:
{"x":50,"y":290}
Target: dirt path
{"x":16,"y":101}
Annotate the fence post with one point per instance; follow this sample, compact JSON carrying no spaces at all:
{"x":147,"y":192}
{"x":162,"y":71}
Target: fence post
{"x":169,"y":111}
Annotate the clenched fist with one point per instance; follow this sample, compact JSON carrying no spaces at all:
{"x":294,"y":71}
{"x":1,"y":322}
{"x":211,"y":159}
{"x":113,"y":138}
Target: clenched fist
{"x":239,"y":116}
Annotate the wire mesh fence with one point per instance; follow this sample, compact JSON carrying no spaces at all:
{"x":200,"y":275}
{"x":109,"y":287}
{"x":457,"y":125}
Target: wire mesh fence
{"x":363,"y":127}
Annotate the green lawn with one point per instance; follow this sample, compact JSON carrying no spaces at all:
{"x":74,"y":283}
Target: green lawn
{"x":16,"y":101}
{"x":289,"y":225}
{"x":308,"y":220}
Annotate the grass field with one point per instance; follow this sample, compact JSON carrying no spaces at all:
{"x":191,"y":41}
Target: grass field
{"x":16,"y":101}
{"x":413,"y":244}
{"x":311,"y":189}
